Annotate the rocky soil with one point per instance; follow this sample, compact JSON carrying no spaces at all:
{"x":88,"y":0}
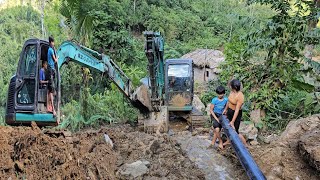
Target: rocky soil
{"x":122,"y":152}
{"x":31,"y":153}
{"x":295,"y":154}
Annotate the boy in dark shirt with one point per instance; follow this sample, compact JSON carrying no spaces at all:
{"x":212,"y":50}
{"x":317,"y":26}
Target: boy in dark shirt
{"x":43,"y":83}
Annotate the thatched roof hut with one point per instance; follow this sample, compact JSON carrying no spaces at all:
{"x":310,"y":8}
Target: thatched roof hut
{"x":209,"y":58}
{"x":206,"y":63}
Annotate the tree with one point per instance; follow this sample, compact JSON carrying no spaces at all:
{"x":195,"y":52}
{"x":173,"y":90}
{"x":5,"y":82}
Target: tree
{"x":268,"y":60}
{"x":80,"y":16}
{"x":12,"y":37}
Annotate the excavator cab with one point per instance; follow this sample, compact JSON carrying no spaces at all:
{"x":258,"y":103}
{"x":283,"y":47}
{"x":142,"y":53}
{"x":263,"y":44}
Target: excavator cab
{"x":27,"y":100}
{"x":179,"y":84}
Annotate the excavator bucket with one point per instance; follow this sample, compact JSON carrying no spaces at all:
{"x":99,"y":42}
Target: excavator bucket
{"x":141,"y":99}
{"x":153,"y":122}
{"x":157,"y":122}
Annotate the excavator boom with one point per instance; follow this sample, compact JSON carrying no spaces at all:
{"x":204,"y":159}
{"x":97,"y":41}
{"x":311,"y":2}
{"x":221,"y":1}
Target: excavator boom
{"x":70,"y":51}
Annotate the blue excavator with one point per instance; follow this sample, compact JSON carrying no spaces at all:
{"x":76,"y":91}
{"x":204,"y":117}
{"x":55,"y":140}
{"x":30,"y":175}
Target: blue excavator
{"x":169,"y":87}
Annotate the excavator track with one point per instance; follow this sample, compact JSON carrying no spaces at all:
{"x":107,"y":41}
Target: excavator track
{"x":197,"y":118}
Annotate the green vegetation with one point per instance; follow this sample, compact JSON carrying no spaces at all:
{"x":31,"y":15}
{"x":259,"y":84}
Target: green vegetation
{"x":12,"y":37}
{"x":269,"y":63}
{"x":263,"y":42}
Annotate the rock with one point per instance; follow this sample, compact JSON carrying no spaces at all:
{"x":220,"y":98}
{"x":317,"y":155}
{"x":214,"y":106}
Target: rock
{"x":257,"y":115}
{"x":277,"y":171}
{"x":248,"y":130}
{"x":134,"y":170}
{"x":270,"y":138}
{"x":108,"y":140}
{"x":254,"y":143}
{"x":194,"y":132}
{"x":187,"y":128}
{"x":296,"y":128}
{"x":171,"y":132}
{"x":197,"y":104}
{"x":154,"y":146}
{"x":309,"y":147}
{"x":208,"y":109}
{"x":19,"y":166}
{"x":284,"y":151}
{"x":202,"y":130}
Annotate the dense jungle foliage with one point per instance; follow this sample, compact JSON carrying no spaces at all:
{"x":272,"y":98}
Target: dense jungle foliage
{"x":263,"y":42}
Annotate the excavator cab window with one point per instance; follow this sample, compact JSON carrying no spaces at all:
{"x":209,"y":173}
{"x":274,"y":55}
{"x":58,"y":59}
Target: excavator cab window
{"x":29,"y":61}
{"x":179,"y":83}
{"x":27,"y":70}
{"x":179,"y":77}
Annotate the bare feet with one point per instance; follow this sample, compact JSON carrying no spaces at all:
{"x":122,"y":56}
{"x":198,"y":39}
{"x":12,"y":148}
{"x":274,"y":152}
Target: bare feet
{"x":210,"y":146}
{"x":226,"y":143}
{"x":220,"y":145}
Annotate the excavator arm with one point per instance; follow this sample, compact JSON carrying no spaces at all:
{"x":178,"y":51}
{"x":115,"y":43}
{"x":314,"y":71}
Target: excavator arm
{"x":154,"y":47}
{"x":70,"y":51}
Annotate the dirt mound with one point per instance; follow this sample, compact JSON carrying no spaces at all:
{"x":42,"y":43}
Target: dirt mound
{"x":309,"y":147}
{"x":164,"y":154}
{"x":30,"y":153}
{"x":281,"y":159}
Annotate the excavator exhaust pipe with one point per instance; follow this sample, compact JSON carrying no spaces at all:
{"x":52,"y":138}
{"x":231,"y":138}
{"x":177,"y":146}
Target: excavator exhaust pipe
{"x":252,"y":169}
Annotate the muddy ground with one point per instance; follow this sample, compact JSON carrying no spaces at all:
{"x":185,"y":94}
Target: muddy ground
{"x":31,"y":153}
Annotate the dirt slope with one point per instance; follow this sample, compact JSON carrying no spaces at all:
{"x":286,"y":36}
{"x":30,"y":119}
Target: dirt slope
{"x":281,"y":159}
{"x":32,"y":153}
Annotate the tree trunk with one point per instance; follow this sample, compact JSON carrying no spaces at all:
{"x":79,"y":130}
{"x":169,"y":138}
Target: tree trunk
{"x":312,"y":24}
{"x":42,"y":6}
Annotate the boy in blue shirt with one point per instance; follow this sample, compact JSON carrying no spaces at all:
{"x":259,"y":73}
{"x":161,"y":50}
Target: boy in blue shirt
{"x":52,"y":60}
{"x":42,"y":75}
{"x":218,"y":105}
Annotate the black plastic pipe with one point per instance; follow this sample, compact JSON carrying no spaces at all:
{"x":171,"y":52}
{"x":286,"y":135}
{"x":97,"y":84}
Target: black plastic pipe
{"x":246,"y":160}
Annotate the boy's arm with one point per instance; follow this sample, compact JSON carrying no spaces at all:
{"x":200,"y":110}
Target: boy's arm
{"x":54,"y":56}
{"x":212,"y":113}
{"x":43,"y":82}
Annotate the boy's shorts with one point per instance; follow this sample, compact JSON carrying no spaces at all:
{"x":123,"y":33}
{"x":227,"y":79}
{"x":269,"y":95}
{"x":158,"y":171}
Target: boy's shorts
{"x":51,"y":85}
{"x":215,"y":123}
